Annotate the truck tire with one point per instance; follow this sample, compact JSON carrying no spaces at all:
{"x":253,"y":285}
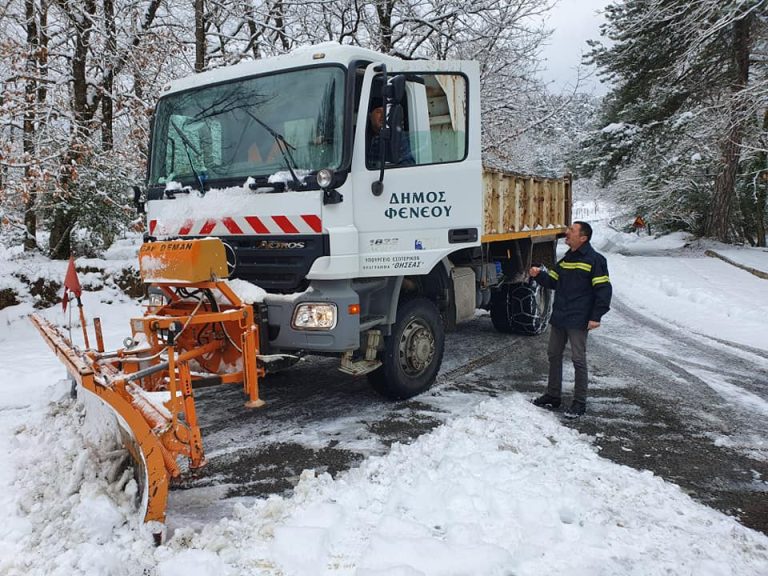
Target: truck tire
{"x":531,"y":306}
{"x":412,"y":353}
{"x":521,"y":309}
{"x":500,"y":312}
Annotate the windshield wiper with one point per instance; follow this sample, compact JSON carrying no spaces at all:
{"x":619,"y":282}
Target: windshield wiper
{"x":284,"y":146}
{"x":187,"y":143}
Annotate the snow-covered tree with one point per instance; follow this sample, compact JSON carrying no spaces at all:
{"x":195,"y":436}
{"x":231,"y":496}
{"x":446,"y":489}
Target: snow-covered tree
{"x":80,"y":78}
{"x":75,"y":78}
{"x":689,"y":88}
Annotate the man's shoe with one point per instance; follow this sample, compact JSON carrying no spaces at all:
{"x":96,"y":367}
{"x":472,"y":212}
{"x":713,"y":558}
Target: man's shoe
{"x":576,"y":409}
{"x":547,"y":401}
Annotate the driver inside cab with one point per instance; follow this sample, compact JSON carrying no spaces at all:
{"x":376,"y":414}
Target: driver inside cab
{"x":374,"y":141}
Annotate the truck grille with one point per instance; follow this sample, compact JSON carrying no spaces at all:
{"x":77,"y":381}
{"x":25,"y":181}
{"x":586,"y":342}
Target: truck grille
{"x":278,"y":264}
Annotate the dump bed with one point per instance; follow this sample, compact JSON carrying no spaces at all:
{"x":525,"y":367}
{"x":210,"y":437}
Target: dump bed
{"x":522,"y":206}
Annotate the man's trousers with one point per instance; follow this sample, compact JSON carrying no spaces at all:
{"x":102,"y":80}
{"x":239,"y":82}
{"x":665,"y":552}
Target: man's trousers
{"x":557,"y":340}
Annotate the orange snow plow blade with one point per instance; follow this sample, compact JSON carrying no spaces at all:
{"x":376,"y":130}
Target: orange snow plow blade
{"x":192,"y":333}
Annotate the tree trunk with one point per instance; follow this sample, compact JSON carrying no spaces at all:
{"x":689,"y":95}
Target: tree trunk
{"x":254,"y":34}
{"x":79,"y":73}
{"x":725,"y":186}
{"x":64,"y":217}
{"x":384,"y":9}
{"x":278,"y":15}
{"x":719,"y":219}
{"x":107,"y":106}
{"x":200,"y":45}
{"x":42,"y":61}
{"x":762,"y":200}
{"x":30,"y":118}
{"x":761,"y":190}
{"x":60,"y":244}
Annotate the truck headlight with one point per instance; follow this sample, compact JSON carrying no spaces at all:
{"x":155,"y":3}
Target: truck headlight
{"x":316,"y":316}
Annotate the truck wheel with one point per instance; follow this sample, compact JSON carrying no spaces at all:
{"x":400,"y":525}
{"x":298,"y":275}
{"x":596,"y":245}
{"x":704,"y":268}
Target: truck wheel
{"x":521,"y":308}
{"x":500,"y":311}
{"x":412,"y":352}
{"x":531,"y":307}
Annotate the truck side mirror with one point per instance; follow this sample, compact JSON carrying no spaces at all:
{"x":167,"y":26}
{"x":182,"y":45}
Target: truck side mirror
{"x":395,"y":133}
{"x":396,"y":89}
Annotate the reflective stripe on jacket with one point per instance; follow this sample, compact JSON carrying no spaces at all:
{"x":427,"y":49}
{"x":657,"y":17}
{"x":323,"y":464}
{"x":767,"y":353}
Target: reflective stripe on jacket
{"x":582,"y":288}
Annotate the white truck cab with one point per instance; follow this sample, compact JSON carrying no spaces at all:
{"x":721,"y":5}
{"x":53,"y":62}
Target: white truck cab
{"x":367,"y":242}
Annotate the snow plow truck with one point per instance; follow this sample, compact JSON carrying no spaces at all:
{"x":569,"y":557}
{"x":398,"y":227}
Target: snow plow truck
{"x":281,"y":222}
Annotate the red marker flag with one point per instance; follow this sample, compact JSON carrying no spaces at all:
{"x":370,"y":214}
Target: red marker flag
{"x":71,"y":284}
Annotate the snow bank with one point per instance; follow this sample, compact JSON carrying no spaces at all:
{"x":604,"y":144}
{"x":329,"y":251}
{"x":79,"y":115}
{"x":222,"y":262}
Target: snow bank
{"x":507,"y":490}
{"x":504,"y":490}
{"x":47,"y":274}
{"x":756,"y":258}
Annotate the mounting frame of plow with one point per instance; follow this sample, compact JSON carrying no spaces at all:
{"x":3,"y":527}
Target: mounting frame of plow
{"x":196,"y":331}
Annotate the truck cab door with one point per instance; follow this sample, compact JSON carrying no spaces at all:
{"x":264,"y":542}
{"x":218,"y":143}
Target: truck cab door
{"x":431,"y":201}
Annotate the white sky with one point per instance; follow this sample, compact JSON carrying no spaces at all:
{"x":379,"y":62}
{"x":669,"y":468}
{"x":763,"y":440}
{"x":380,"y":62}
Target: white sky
{"x":574,"y":22}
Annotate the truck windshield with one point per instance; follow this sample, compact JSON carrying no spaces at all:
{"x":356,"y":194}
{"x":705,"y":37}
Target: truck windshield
{"x":236,"y":130}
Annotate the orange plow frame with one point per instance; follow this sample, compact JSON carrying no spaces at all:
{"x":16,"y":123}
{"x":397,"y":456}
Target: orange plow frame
{"x":218,"y":341}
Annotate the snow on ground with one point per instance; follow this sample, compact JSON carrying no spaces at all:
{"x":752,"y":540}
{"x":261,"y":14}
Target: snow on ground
{"x":756,"y":258}
{"x":503,"y":490}
{"x":698,"y":293}
{"x":42,"y":446}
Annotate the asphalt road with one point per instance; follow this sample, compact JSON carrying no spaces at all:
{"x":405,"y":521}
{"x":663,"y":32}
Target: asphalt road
{"x":686,"y":407}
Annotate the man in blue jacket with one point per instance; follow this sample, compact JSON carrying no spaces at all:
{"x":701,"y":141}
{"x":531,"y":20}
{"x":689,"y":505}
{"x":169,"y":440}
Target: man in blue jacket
{"x":582,"y":296}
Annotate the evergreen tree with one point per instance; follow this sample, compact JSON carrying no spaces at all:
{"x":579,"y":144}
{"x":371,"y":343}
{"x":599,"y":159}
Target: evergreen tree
{"x":687,"y":92}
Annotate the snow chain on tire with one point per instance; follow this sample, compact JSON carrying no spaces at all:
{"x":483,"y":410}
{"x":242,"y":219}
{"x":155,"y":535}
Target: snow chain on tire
{"x":521,"y":309}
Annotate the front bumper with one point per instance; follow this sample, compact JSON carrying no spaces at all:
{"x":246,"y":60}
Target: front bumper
{"x":343,"y":337}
